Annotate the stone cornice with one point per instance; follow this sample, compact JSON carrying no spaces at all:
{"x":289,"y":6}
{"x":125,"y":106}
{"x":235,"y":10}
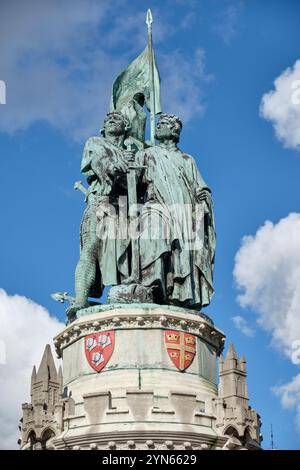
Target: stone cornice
{"x":142,"y":317}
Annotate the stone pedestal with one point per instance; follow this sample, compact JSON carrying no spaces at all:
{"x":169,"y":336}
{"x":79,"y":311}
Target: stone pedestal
{"x":140,"y":399}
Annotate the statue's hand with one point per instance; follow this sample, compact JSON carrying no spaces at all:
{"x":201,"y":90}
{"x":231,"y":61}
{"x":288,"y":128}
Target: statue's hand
{"x":203,"y":195}
{"x":119,"y":166}
{"x":129,"y":156}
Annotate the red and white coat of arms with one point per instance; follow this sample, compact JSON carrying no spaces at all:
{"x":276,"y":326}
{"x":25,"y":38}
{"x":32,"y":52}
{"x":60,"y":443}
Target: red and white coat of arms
{"x":98,"y":348}
{"x":181,"y":348}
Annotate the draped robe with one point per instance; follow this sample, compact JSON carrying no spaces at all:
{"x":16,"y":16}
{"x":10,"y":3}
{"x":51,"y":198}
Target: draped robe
{"x":182,"y":270}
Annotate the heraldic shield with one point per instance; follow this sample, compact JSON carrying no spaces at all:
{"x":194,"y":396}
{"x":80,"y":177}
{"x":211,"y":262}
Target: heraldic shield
{"x":98,"y":348}
{"x":181,"y":348}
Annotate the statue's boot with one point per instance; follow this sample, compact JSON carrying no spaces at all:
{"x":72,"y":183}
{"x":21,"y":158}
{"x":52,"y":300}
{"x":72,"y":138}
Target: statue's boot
{"x":73,"y":309}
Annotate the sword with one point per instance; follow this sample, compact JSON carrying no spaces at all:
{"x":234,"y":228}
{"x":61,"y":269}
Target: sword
{"x":63,"y":297}
{"x":79,"y":185}
{"x":132,"y":200}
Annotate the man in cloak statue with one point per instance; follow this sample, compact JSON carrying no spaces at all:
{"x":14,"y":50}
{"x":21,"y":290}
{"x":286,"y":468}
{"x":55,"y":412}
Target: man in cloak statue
{"x":177,"y":239}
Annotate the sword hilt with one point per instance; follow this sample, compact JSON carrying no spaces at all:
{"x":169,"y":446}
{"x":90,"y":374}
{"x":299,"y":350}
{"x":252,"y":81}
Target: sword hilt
{"x":79,"y":185}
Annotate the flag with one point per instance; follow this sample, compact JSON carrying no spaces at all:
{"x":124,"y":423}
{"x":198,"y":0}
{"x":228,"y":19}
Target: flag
{"x":136,"y":79}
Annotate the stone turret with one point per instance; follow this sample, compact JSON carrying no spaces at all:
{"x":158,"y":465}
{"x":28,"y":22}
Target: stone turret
{"x":46,"y":386}
{"x":42,"y":418}
{"x":235,"y":417}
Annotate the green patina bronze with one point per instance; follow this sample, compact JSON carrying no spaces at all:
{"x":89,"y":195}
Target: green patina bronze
{"x":181,"y":269}
{"x":138,"y":86}
{"x":168,"y":268}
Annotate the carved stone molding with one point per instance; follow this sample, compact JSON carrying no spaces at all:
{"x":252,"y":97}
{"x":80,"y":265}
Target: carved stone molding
{"x":141,"y":317}
{"x":142,"y":441}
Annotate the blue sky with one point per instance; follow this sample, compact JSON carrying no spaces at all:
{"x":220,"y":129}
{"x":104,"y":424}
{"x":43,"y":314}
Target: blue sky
{"x":217,"y":60}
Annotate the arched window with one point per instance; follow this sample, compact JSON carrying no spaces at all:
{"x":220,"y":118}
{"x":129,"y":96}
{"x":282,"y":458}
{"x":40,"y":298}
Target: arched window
{"x":231,"y":431}
{"x":31,"y":439}
{"x":47,"y":434}
{"x":247,"y":435}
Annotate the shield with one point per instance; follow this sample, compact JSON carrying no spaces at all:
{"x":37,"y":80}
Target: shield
{"x":98,"y":348}
{"x":181,"y":348}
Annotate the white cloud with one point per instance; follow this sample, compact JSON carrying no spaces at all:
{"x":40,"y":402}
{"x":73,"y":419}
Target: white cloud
{"x":133,"y":29}
{"x":281,"y":106}
{"x":241,"y":324}
{"x":182,"y":84}
{"x":289,"y":394}
{"x":26,"y":328}
{"x":188,"y":20}
{"x":226,"y":24}
{"x":51,"y":71}
{"x":58,"y":65}
{"x":267,"y":271}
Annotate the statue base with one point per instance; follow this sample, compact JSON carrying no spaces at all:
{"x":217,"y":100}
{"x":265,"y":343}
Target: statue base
{"x":140,"y":376}
{"x":157,"y":387}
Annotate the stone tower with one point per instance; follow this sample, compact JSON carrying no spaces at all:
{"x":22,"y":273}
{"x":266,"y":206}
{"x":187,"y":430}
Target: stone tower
{"x":234,"y":415}
{"x":42,"y":418}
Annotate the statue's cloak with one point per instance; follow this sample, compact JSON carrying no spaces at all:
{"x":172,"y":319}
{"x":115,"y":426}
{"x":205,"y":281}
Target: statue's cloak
{"x":183,"y":269}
